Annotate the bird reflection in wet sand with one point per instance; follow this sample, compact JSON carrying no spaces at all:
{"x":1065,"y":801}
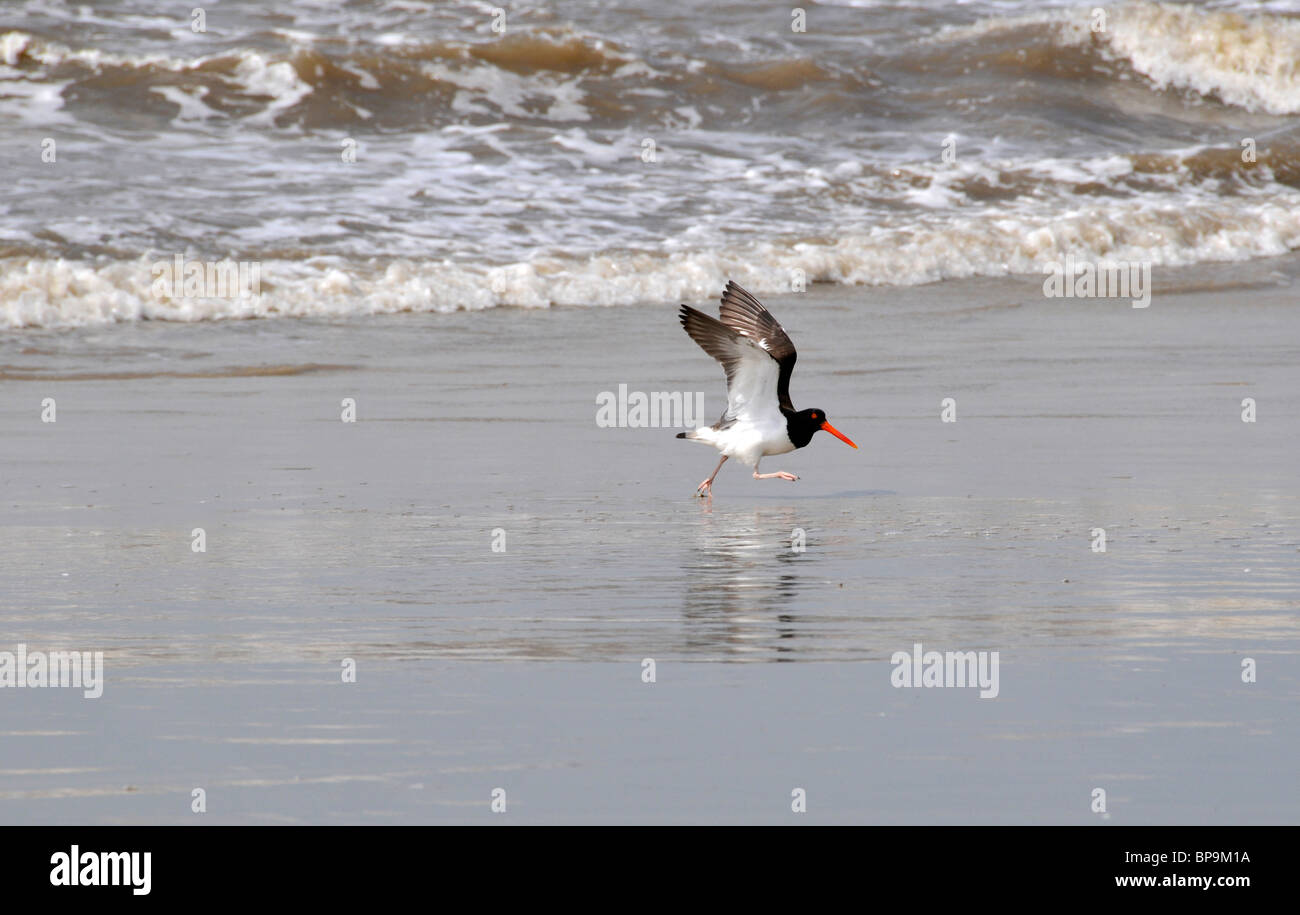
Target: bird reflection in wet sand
{"x":740,"y":577}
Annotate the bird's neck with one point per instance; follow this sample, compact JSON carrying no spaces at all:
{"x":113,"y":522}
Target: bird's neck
{"x":800,"y":433}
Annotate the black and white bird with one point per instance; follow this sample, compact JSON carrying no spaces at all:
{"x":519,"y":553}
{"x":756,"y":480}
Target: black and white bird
{"x":758,"y":358}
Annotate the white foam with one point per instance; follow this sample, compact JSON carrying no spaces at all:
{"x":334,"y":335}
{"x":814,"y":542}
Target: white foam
{"x":191,"y":104}
{"x":1252,"y":61}
{"x":486,"y":88}
{"x":52,"y":53}
{"x":37,"y":292}
{"x":277,"y":80}
{"x":254,"y":71}
{"x":366,"y":78}
{"x":40,"y":103}
{"x":12,"y":45}
{"x":1246,"y":58}
{"x":592,"y":151}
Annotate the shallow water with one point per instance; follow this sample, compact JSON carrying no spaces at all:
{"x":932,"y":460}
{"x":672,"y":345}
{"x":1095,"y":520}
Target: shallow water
{"x":1168,"y":737}
{"x":373,"y":541}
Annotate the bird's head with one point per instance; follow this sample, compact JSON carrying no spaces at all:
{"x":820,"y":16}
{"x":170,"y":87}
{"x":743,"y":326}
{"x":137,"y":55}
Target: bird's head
{"x":807,"y":422}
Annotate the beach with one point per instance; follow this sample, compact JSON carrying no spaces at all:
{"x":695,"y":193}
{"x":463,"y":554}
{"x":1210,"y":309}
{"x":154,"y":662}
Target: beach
{"x":522,"y":667}
{"x":342,"y":369}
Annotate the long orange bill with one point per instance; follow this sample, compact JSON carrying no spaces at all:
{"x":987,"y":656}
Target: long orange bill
{"x":838,"y":434}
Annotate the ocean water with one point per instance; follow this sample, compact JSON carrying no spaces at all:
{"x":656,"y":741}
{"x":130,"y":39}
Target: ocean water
{"x":389,"y":155}
{"x":394,"y":176}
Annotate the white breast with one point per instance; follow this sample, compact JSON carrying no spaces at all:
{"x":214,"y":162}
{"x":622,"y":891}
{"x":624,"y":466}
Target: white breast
{"x":748,"y":440}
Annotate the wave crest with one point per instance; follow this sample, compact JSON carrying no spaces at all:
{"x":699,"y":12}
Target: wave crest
{"x":1251,"y":61}
{"x":38,"y":291}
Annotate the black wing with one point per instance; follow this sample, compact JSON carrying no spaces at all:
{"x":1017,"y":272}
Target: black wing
{"x":752,"y":373}
{"x":746,"y":316}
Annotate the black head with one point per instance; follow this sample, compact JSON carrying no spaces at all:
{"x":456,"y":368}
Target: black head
{"x":802,"y":425}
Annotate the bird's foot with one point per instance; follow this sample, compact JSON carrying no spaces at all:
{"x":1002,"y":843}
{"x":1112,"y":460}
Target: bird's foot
{"x":779,"y":475}
{"x":705,"y":490}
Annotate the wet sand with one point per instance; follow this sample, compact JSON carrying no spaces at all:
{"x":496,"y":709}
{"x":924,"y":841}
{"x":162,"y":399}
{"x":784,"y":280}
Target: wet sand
{"x":522,"y":669}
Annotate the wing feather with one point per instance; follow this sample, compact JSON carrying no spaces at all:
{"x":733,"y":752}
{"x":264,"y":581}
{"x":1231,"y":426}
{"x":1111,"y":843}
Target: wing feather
{"x":752,"y":374}
{"x":746,"y":316}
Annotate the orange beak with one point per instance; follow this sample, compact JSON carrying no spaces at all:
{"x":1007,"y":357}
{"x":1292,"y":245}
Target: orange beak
{"x":838,"y":434}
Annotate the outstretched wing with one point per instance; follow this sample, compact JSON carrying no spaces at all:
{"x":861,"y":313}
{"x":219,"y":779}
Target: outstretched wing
{"x":746,"y":316}
{"x":752,"y":374}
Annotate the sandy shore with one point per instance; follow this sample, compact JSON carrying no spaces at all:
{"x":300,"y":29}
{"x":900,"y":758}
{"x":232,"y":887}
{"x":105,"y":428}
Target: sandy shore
{"x":373,"y":541}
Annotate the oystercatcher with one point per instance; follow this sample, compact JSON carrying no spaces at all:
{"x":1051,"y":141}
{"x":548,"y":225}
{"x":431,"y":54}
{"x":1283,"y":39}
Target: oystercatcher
{"x":758,"y":358}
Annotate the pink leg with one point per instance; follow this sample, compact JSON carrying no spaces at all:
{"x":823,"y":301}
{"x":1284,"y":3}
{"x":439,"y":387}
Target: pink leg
{"x":779,"y":475}
{"x":706,"y":488}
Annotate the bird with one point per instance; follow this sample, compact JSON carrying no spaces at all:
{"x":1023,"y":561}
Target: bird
{"x":758,"y":357}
